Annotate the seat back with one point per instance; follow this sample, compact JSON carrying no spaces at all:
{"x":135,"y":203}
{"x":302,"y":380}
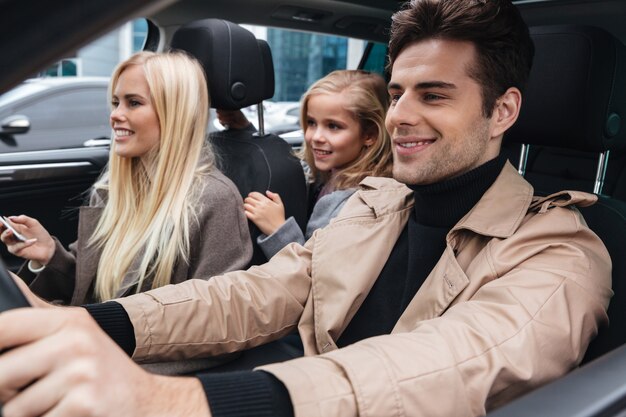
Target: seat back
{"x":573,"y":114}
{"x":607,"y":218}
{"x":240,"y":73}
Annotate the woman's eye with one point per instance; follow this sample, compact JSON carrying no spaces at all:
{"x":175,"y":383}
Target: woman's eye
{"x":114,"y":104}
{"x":134,"y":103}
{"x":333,"y":126}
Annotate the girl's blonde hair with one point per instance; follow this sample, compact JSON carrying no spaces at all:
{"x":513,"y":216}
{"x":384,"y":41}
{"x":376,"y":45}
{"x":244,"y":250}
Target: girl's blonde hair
{"x":368,"y":101}
{"x":146,"y":219}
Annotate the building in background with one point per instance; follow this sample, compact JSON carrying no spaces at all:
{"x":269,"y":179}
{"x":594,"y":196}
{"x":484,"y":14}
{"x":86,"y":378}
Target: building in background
{"x":301,"y":58}
{"x":100,"y":57}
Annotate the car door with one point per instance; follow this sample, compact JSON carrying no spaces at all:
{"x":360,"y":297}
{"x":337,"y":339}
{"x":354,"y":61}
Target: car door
{"x":49,"y":186}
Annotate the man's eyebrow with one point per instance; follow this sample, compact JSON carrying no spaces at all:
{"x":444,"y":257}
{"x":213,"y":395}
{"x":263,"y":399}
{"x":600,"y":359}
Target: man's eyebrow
{"x":424,"y":85}
{"x":434,"y":84}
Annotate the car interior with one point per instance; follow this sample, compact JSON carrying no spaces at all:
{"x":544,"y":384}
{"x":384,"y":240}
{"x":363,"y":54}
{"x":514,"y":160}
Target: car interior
{"x":240,"y":73}
{"x":570,"y":106}
{"x":571,"y":133}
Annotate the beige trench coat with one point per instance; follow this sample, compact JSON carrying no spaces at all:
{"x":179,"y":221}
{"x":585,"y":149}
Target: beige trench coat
{"x":513,"y":302}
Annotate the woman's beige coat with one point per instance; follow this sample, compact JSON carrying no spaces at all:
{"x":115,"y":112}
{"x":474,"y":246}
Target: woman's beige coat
{"x":513,"y":302}
{"x":219,"y":242}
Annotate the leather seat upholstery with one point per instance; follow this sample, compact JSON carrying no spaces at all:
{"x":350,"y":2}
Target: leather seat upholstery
{"x":573,"y":117}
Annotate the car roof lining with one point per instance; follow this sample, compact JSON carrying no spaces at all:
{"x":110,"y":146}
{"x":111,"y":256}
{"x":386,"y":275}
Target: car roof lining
{"x":369,"y":19}
{"x":87,"y":23}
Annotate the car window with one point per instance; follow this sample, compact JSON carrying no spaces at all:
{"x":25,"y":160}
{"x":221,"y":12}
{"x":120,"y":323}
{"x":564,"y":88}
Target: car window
{"x":301,"y":58}
{"x":100,"y":57}
{"x":375,"y":58}
{"x":66,"y":104}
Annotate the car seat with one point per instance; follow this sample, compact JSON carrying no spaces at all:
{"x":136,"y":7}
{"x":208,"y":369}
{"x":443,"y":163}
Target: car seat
{"x":574,"y":107}
{"x":240,"y":73}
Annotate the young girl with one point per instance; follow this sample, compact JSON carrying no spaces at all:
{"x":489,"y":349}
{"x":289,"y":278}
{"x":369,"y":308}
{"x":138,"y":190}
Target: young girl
{"x":161,"y":213}
{"x":343,"y":117}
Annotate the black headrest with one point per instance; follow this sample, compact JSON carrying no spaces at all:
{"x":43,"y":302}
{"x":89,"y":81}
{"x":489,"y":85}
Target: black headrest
{"x":238,"y":67}
{"x":268,"y":64}
{"x":574,"y":97}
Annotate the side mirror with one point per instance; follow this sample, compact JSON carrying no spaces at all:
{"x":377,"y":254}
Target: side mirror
{"x":15,"y":124}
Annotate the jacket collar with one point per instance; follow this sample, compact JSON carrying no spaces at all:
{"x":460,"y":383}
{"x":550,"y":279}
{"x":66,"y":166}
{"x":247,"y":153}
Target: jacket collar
{"x":385,"y":195}
{"x":507,"y":200}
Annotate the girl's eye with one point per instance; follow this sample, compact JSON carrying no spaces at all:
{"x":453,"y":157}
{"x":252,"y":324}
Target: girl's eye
{"x":134,"y":103}
{"x":310,"y":123}
{"x":334,"y":126}
{"x":115,"y":103}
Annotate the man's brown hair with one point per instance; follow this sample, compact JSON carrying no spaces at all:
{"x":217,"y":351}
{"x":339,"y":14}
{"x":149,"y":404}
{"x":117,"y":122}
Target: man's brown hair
{"x":504,"y":49}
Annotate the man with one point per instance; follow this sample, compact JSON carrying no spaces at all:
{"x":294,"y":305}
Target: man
{"x":444,"y":298}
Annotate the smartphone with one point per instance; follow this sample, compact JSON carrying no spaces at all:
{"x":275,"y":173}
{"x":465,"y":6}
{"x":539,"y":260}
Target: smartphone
{"x":17,"y":234}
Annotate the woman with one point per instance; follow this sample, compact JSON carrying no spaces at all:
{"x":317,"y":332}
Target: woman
{"x":161,"y":213}
{"x":343,"y":116}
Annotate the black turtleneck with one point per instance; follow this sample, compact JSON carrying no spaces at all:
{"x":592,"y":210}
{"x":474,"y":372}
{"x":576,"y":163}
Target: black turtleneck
{"x":437,"y":208}
{"x":445,"y":203}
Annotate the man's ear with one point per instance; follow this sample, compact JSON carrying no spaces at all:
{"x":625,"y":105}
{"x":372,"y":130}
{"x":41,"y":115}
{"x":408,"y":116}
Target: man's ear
{"x":506,"y":111}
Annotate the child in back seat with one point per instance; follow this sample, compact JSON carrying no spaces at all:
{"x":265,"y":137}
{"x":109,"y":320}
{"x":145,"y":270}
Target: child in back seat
{"x":342,"y":116}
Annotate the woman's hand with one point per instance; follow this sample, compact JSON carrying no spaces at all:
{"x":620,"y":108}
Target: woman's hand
{"x":38,"y":247}
{"x":232,"y":119}
{"x":268,"y":213}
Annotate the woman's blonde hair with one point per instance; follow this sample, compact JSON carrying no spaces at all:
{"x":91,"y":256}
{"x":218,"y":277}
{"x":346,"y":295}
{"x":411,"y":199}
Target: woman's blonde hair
{"x":368,"y":101}
{"x":150,"y":203}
